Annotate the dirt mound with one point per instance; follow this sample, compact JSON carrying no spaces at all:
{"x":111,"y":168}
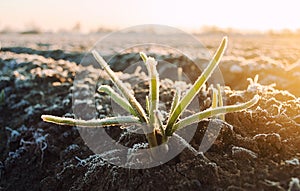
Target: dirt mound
{"x":257,"y":149}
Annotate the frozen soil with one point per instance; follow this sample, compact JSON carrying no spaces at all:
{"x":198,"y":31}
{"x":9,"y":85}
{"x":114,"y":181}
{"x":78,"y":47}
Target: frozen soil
{"x":257,"y":149}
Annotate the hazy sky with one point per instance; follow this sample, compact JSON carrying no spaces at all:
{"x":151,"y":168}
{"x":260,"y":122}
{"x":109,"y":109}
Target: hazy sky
{"x":187,"y":14}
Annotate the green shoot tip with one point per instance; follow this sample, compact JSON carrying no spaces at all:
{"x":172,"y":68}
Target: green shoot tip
{"x":143,"y":56}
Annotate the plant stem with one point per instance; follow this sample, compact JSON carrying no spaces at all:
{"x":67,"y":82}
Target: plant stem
{"x":194,"y":90}
{"x":151,"y":138}
{"x":214,"y":111}
{"x":159,"y":121}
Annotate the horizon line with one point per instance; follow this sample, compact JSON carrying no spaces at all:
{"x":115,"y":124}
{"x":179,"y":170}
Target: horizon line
{"x":201,"y":29}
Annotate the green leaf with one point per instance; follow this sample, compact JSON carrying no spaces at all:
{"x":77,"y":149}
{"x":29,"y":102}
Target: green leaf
{"x":158,"y":118}
{"x":143,"y":56}
{"x":220,"y":101}
{"x":117,"y":98}
{"x":194,"y":90}
{"x":122,"y":87}
{"x":214,"y":98}
{"x":109,"y":121}
{"x":213,"y":112}
{"x":153,"y":86}
{"x":175,"y":100}
{"x":147,"y":105}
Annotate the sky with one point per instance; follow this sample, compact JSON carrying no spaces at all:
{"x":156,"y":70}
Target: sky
{"x":57,"y":15}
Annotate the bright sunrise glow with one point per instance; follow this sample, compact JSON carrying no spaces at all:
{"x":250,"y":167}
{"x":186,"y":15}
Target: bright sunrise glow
{"x":92,"y":14}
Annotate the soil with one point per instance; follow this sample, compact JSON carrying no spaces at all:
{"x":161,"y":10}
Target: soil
{"x":256,"y":149}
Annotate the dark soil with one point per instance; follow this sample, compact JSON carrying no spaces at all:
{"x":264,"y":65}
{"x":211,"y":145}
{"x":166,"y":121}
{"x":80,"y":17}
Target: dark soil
{"x":257,"y":149}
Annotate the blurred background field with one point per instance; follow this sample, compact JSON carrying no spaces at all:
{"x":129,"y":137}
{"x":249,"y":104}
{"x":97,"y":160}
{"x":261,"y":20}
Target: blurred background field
{"x":275,"y":57}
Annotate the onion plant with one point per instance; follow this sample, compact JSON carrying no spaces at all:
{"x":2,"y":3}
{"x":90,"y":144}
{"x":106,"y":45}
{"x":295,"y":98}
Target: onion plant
{"x":154,"y":124}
